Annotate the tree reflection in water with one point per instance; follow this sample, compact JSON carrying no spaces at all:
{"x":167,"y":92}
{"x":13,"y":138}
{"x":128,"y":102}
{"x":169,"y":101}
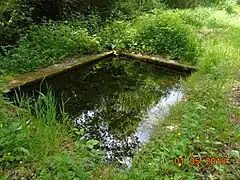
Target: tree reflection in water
{"x":118,"y":100}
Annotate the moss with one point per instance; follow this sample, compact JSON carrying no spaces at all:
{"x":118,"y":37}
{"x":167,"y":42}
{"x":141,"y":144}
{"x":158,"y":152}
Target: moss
{"x":34,"y":77}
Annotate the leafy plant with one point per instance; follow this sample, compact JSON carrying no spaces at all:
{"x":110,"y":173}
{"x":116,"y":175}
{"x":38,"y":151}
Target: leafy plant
{"x":118,"y":35}
{"x":191,"y":3}
{"x":163,"y":32}
{"x":34,"y":144}
{"x":166,"y":33}
{"x":48,"y":44}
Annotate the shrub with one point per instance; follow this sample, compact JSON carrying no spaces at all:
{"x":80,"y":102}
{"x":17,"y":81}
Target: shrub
{"x":132,"y":8}
{"x":16,"y":16}
{"x":13,"y":21}
{"x":163,"y":32}
{"x":46,"y":44}
{"x":166,"y":33}
{"x":191,"y":3}
{"x":182,"y":3}
{"x":118,"y":35}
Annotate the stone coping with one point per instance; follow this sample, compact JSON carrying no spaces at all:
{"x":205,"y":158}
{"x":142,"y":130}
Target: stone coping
{"x":73,"y":63}
{"x":159,"y":61}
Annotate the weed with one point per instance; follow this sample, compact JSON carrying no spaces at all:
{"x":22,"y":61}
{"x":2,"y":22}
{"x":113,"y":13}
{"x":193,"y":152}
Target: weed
{"x":42,"y":145}
{"x":161,"y":33}
{"x":31,"y":145}
{"x":203,"y":125}
{"x":46,"y":45}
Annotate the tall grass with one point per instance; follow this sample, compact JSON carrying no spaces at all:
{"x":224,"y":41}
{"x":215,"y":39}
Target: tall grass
{"x":163,"y":32}
{"x":202,"y":123}
{"x":36,"y":135}
{"x":48,"y":132}
{"x":41,"y":143}
{"x":46,"y":45}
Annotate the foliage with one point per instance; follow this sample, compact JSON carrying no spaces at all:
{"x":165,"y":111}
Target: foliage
{"x":163,"y":33}
{"x":199,"y":17}
{"x":118,"y":35}
{"x":2,"y":88}
{"x":166,"y":33}
{"x":1,"y":107}
{"x":182,"y":3}
{"x":80,"y":165}
{"x":201,"y":126}
{"x":19,"y":143}
{"x":16,"y":16}
{"x":46,"y":44}
{"x":33,"y":145}
{"x":191,"y":3}
{"x":124,"y":9}
{"x":13,"y":22}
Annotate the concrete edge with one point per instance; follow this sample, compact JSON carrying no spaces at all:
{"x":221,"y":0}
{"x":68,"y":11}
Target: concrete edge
{"x":34,"y":77}
{"x":166,"y":63}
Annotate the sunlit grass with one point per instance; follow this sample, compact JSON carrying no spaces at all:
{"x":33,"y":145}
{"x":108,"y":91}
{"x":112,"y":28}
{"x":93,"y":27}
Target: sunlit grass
{"x":37,"y":143}
{"x":203,"y":127}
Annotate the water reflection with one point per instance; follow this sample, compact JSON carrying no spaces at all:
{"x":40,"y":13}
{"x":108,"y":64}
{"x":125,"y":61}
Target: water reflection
{"x":157,"y":113}
{"x":118,"y":101}
{"x":121,"y":146}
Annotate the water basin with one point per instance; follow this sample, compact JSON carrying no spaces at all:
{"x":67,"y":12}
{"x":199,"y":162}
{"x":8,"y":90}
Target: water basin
{"x":117,"y":101}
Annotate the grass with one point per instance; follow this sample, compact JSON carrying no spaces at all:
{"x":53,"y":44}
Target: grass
{"x":51,"y":42}
{"x":47,"y":44}
{"x":162,"y":32}
{"x":203,"y":126}
{"x":34,"y":144}
{"x":39,"y":144}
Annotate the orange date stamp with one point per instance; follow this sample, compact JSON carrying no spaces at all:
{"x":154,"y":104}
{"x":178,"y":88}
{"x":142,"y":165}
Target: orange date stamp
{"x":208,"y":161}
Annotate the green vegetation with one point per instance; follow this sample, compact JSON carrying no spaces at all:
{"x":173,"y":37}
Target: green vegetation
{"x":163,"y":32}
{"x":203,"y":124}
{"x":43,"y":145}
{"x":45,"y":45}
{"x":37,"y":143}
{"x":160,"y":33}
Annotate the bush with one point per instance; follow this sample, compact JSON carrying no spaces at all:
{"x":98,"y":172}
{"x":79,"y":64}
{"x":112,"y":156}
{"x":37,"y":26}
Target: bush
{"x":182,"y":3}
{"x":166,"y":33}
{"x":13,"y":21}
{"x":118,"y":35}
{"x":128,"y":9}
{"x":16,"y":16}
{"x":46,"y":44}
{"x":163,"y":32}
{"x":191,"y":3}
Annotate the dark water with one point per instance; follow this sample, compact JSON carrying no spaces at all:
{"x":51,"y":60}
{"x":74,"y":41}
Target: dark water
{"x":119,"y":101}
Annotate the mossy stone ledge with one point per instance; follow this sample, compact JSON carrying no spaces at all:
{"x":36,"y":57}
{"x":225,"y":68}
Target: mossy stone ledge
{"x":159,"y":61}
{"x":74,"y":63}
